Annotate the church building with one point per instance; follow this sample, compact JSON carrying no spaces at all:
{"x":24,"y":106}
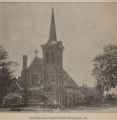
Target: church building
{"x":45,"y":81}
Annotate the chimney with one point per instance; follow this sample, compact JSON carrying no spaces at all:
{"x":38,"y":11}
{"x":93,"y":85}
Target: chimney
{"x":24,"y":61}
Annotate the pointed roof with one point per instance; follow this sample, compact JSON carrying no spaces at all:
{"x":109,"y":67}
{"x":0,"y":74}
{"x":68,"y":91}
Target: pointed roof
{"x":52,"y":35}
{"x":52,"y":41}
{"x":36,"y":61}
{"x":68,"y":81}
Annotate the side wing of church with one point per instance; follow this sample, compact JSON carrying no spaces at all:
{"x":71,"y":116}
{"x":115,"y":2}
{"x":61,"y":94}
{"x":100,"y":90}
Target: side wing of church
{"x":45,"y":80}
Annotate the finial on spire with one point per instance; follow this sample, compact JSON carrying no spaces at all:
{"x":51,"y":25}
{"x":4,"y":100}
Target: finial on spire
{"x":52,"y":35}
{"x":36,"y":52}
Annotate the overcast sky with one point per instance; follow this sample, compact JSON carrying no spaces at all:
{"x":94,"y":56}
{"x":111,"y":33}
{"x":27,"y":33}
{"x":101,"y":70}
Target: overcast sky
{"x":84,"y":29}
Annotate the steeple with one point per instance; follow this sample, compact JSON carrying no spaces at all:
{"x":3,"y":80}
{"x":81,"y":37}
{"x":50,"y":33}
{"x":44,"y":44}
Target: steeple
{"x":53,"y":49}
{"x":52,"y":35}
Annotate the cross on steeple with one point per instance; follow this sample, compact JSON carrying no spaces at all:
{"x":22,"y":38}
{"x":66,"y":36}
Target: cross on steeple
{"x":36,"y":52}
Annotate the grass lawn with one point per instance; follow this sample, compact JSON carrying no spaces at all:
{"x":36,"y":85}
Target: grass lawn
{"x":84,"y":109}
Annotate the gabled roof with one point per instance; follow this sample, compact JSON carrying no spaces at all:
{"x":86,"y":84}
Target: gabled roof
{"x":68,"y":81}
{"x":36,"y":61}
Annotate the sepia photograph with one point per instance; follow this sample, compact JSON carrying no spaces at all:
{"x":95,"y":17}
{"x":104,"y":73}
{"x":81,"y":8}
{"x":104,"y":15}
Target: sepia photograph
{"x":58,"y":57}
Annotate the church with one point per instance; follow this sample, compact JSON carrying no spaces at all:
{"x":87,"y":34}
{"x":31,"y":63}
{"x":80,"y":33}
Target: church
{"x":45,"y":81}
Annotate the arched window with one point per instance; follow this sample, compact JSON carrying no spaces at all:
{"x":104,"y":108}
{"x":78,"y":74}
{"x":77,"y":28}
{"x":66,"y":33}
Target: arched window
{"x":52,"y":57}
{"x":47,"y":57}
{"x":35,"y":79}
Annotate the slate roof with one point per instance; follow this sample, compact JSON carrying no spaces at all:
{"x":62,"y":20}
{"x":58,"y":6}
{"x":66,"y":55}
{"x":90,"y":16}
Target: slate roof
{"x":68,"y":81}
{"x":36,"y":61}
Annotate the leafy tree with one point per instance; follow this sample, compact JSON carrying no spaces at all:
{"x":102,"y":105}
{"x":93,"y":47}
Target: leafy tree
{"x":6,"y":75}
{"x":105,"y":69}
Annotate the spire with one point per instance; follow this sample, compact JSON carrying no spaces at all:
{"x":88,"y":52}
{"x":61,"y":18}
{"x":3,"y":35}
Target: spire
{"x":52,"y":35}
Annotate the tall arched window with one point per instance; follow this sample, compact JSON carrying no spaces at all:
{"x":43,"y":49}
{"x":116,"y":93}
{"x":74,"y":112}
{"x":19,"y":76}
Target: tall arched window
{"x":47,"y":57}
{"x":52,"y":57}
{"x":35,"y":79}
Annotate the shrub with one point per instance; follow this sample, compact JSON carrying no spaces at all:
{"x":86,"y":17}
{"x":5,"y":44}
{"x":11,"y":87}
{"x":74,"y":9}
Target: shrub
{"x":92,"y":97}
{"x":111,"y":98}
{"x":12,"y":99}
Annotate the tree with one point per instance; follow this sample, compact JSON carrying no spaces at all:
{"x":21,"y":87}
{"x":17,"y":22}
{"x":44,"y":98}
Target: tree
{"x":6,"y":75}
{"x":105,"y":69}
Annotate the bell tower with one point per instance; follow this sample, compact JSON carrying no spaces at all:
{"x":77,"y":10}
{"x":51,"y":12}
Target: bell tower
{"x":53,"y":49}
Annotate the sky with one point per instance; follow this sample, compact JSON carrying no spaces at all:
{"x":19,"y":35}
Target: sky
{"x":84,"y":29}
